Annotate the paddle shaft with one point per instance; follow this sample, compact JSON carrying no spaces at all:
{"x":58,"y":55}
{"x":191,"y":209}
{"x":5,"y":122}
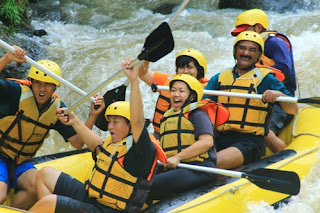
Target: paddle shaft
{"x":208,"y":170}
{"x":117,"y":74}
{"x":239,"y":95}
{"x":45,"y":70}
{"x":99,"y":87}
{"x":181,"y":7}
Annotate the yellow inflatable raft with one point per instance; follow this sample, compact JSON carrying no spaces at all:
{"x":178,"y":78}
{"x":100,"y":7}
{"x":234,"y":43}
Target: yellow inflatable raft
{"x":227,"y":194}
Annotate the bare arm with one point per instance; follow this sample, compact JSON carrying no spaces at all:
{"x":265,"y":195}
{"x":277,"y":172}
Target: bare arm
{"x":18,"y":56}
{"x":136,"y":105}
{"x":77,"y":141}
{"x":94,"y":113}
{"x":145,"y":74}
{"x":84,"y":134}
{"x":269,"y":96}
{"x":203,"y":144}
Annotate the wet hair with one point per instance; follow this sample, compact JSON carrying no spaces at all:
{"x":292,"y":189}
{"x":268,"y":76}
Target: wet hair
{"x":184,"y":60}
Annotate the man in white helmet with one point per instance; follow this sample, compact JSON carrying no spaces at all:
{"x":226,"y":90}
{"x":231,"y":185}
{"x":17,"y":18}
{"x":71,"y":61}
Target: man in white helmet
{"x":27,"y":113}
{"x":277,"y":56}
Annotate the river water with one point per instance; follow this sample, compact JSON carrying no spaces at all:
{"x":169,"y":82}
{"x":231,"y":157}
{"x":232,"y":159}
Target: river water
{"x":96,"y":35}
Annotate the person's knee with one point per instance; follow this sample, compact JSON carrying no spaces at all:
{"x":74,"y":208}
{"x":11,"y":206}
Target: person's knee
{"x":229,"y":158}
{"x":27,"y":181}
{"x":42,"y":174}
{"x":50,"y":199}
{"x":3,"y":192}
{"x":47,"y":203}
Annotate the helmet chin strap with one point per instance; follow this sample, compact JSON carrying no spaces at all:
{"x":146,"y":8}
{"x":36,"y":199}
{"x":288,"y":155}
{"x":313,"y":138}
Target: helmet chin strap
{"x":188,"y":100}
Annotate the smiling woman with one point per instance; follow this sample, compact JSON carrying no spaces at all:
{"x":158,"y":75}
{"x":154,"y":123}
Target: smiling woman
{"x":186,"y":136}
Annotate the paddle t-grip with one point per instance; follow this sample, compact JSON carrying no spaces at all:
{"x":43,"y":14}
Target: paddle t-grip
{"x":154,"y":87}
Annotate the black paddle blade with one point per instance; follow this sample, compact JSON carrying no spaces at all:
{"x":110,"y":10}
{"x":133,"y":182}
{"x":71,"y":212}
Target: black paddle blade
{"x":286,"y":182}
{"x":116,"y":94}
{"x":158,"y":44}
{"x":315,"y":101}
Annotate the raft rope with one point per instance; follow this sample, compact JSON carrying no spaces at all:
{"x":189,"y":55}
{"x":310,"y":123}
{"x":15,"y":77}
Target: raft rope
{"x":295,"y":122}
{"x":234,"y":188}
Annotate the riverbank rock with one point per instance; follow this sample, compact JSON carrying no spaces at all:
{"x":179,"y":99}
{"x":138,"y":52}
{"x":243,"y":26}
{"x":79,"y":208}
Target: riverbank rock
{"x":34,"y":48}
{"x":166,"y":8}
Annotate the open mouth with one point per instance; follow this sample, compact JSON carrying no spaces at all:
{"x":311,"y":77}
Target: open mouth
{"x":177,"y":102}
{"x":42,"y":95}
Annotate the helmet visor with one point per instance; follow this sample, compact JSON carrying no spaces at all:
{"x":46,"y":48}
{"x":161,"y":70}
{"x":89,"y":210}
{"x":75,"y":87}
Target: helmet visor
{"x":240,"y":29}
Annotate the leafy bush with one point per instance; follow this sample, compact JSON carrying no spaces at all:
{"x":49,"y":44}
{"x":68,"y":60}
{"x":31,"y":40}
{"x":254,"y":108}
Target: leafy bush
{"x":11,"y":12}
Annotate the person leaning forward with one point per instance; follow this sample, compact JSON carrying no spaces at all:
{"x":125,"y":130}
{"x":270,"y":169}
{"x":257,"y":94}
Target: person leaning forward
{"x":278,"y":56}
{"x":127,"y":153}
{"x":27,"y":113}
{"x":188,"y":61}
{"x":241,"y":138}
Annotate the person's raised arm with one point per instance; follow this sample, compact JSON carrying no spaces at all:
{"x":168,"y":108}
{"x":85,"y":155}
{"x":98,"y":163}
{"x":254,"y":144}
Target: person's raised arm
{"x":95,"y":112}
{"x":84,"y":133}
{"x":136,"y":105}
{"x":75,"y":140}
{"x":18,"y":56}
{"x":145,"y":74}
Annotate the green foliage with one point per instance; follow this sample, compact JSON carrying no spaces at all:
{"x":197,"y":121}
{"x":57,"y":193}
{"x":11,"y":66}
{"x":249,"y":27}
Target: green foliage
{"x":11,"y":13}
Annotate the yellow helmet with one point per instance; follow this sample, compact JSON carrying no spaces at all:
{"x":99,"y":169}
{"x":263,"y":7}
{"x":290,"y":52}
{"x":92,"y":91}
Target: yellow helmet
{"x":36,"y":74}
{"x":249,"y":36}
{"x":119,"y":108}
{"x":191,"y":81}
{"x":250,"y":18}
{"x":197,"y":56}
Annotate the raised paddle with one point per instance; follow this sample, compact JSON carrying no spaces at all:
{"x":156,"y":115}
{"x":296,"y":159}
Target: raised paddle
{"x":158,"y":44}
{"x":45,"y":70}
{"x":119,"y":93}
{"x":286,"y":182}
{"x":315,"y":101}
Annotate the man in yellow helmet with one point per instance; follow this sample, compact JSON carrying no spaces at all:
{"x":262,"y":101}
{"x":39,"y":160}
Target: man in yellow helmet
{"x":124,"y":167}
{"x":188,"y":61}
{"x":241,"y":138}
{"x":278,"y":56}
{"x":27,"y":113}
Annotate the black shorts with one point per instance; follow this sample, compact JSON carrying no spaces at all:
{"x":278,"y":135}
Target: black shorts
{"x":72,"y":197}
{"x":168,"y":183}
{"x":251,"y":146}
{"x":279,"y":119}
